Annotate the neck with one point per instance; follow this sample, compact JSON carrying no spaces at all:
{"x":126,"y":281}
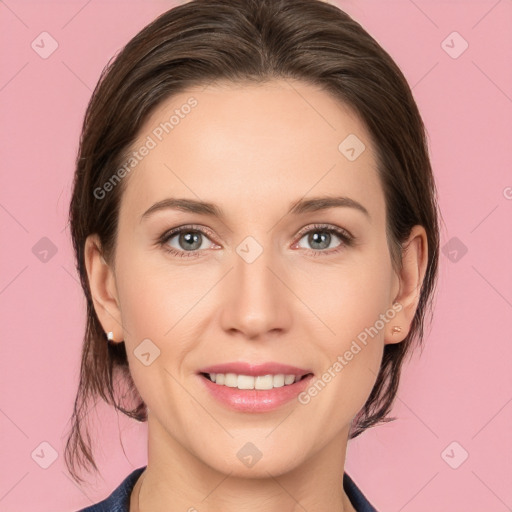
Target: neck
{"x":176,"y":480}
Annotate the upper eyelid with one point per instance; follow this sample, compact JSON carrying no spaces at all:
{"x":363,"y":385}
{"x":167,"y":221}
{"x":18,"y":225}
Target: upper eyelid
{"x":327,"y":227}
{"x":187,"y":227}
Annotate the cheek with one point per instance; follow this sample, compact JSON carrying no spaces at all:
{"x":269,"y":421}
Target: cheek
{"x":164,"y":304}
{"x":156,"y":296}
{"x":352,"y":308}
{"x":354,"y":296}
{"x":156,"y":305}
{"x":352,"y":357}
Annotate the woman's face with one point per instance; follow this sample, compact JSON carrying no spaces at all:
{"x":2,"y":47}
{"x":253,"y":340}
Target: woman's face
{"x":267,"y":281}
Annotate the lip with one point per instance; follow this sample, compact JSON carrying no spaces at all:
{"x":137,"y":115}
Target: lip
{"x":255,"y":400}
{"x":241,"y":368}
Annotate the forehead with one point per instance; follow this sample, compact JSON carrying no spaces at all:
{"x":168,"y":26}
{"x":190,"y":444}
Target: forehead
{"x":252,"y":146}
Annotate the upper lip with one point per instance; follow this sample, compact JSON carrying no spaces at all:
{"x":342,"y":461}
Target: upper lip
{"x":242,"y":368}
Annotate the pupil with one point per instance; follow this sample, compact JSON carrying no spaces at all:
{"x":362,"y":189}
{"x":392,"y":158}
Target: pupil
{"x":314,"y":239}
{"x":190,"y":239}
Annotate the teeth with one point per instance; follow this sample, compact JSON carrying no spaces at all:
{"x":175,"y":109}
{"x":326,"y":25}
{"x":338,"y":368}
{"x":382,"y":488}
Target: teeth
{"x":289,"y":379}
{"x":262,"y":382}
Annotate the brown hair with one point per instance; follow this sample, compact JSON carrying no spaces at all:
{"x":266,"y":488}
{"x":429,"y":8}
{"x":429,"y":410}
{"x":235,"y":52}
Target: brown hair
{"x":245,"y":41}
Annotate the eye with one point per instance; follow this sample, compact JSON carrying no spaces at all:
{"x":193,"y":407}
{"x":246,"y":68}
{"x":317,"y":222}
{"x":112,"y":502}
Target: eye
{"x":187,"y":241}
{"x":320,"y":238}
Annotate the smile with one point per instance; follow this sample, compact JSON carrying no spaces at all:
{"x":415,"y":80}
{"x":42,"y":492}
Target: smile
{"x":260,"y":382}
{"x":254,"y":393}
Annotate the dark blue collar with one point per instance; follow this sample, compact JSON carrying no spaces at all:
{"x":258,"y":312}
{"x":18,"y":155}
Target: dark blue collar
{"x":119,"y":500}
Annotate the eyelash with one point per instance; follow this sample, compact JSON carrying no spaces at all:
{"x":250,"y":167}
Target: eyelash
{"x":347,"y":239}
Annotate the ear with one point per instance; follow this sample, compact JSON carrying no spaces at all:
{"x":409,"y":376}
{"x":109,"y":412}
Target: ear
{"x":103,"y":288}
{"x":410,"y":279}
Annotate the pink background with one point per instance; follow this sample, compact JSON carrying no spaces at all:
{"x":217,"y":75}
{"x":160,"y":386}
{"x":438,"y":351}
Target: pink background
{"x":459,"y":389}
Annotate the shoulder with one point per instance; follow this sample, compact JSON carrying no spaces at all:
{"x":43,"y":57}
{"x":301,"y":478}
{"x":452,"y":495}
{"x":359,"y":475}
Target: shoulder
{"x":356,"y":497}
{"x":119,"y":499}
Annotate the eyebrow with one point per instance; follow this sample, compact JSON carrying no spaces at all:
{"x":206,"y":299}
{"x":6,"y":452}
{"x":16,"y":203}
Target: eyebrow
{"x":297,"y":208}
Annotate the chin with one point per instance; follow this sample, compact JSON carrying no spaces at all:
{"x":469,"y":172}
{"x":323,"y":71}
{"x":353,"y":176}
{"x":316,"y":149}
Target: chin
{"x":249,"y":462}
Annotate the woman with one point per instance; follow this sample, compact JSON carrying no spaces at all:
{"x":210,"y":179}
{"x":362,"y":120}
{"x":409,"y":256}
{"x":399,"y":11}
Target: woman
{"x":255,"y":224}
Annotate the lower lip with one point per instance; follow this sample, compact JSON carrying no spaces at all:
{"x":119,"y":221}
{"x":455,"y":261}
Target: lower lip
{"x":255,"y":400}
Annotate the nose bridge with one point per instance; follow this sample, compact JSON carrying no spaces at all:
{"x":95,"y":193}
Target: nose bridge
{"x":256,"y":302}
{"x":253,"y":276}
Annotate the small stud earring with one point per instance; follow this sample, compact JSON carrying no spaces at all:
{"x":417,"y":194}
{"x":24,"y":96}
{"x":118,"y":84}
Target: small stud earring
{"x":110,"y":335}
{"x":396,"y":328}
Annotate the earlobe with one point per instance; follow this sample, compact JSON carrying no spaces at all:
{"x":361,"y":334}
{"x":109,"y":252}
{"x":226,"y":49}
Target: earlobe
{"x":412,"y":274}
{"x":103,"y":289}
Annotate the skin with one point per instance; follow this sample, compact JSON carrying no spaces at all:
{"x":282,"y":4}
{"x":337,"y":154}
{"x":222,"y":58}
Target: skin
{"x":253,"y":150}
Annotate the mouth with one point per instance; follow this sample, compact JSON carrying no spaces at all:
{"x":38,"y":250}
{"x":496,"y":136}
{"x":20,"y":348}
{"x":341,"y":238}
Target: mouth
{"x":258,"y":382}
{"x":245,"y":387}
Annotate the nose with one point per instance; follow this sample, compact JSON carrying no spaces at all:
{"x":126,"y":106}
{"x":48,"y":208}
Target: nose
{"x":256,"y":300}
